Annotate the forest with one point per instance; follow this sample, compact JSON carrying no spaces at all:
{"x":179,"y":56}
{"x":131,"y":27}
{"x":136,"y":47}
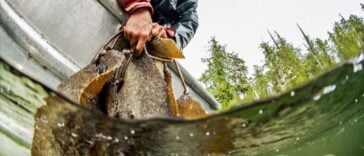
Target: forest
{"x":285,"y":65}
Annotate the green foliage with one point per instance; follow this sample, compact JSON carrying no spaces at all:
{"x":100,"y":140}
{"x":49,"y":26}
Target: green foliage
{"x":348,"y":37}
{"x":285,"y":67}
{"x":226,"y":76}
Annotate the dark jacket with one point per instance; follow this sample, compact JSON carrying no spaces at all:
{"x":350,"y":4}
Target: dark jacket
{"x":179,"y":17}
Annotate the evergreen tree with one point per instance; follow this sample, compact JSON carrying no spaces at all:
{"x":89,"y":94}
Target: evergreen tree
{"x":285,"y":66}
{"x":226,"y":76}
{"x":348,"y":37}
{"x":317,"y":57}
{"x":260,"y":86}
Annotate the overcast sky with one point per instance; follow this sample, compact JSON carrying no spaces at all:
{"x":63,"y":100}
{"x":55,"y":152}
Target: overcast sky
{"x":242,"y":25}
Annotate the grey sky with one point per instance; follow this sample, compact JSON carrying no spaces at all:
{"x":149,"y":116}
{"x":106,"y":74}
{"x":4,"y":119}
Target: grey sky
{"x":242,"y":25}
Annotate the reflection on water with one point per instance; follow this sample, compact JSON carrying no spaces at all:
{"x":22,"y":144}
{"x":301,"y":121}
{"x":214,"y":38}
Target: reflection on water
{"x":323,"y":117}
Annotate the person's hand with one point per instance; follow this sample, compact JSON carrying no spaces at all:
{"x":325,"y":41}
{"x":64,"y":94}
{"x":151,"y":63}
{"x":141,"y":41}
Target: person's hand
{"x":138,"y":29}
{"x":158,"y":31}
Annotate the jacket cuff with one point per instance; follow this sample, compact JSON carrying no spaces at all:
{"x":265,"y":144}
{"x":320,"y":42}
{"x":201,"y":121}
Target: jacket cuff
{"x":135,"y":5}
{"x":170,"y":32}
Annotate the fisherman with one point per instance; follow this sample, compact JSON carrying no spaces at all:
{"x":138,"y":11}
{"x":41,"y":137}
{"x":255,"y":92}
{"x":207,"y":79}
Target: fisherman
{"x":175,"y":19}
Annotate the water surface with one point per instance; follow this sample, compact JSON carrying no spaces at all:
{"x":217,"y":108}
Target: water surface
{"x":322,"y":117}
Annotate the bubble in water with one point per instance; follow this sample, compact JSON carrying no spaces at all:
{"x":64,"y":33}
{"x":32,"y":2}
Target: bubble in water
{"x":358,"y":67}
{"x":177,"y":138}
{"x":60,"y":124}
{"x":191,"y":134}
{"x":132,"y":131}
{"x":207,"y":133}
{"x":292,"y":93}
{"x":356,"y":63}
{"x":317,"y":97}
{"x":99,"y":135}
{"x":88,"y":141}
{"x":74,"y":135}
{"x":261,"y":111}
{"x":329,"y":89}
{"x":108,"y":138}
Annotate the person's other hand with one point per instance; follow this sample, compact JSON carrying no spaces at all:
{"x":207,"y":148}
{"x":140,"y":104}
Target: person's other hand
{"x":158,"y":31}
{"x":138,"y":30}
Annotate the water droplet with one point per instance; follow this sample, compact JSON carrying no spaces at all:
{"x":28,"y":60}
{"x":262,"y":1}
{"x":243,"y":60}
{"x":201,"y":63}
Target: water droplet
{"x":356,"y":100}
{"x":329,"y":89}
{"x":191,"y":134}
{"x":132,"y":131}
{"x":277,"y":150}
{"x":340,"y":122}
{"x":243,"y":125}
{"x":347,"y":77}
{"x":261,"y":111}
{"x":177,"y":137}
{"x":74,"y":135}
{"x":207,"y":133}
{"x":292,"y":93}
{"x":125,"y":137}
{"x":297,"y":138}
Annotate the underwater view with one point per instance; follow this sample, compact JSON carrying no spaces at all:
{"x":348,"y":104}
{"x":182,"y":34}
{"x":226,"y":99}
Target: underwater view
{"x":322,"y":117}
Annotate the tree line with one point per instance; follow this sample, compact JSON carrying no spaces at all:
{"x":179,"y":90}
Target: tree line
{"x":286,"y":65}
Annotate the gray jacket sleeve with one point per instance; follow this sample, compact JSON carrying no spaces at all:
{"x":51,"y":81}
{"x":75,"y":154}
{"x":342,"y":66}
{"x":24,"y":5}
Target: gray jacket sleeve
{"x":187,"y":24}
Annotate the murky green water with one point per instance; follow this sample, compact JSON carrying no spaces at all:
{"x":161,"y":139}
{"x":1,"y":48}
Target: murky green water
{"x":323,"y":117}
